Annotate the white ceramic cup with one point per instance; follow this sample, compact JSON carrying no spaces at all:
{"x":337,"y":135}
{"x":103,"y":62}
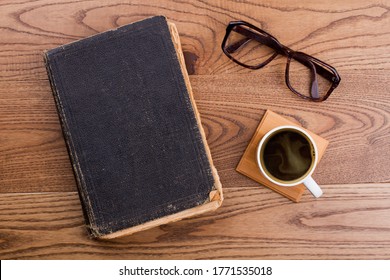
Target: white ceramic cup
{"x":306,"y":178}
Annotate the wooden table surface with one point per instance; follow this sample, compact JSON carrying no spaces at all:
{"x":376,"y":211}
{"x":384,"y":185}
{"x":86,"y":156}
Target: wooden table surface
{"x":40,"y":213}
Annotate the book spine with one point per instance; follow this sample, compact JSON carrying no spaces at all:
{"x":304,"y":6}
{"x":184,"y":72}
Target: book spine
{"x":86,"y":203}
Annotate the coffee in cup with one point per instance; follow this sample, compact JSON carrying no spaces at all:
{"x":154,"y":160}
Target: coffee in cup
{"x":287,"y":156}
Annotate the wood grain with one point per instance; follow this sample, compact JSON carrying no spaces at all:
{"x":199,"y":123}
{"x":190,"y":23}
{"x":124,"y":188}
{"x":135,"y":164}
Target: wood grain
{"x":354,"y":120}
{"x":348,"y":34}
{"x":40,"y":214}
{"x":341,"y":226}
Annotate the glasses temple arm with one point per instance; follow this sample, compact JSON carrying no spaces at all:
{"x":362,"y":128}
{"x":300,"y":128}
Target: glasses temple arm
{"x":320,"y":70}
{"x":304,"y":60}
{"x":314,"y":82}
{"x":235,"y":46}
{"x":249,"y":36}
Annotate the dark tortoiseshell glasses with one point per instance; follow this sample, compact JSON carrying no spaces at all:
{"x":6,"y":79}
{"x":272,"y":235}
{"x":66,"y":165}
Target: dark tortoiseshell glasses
{"x":306,"y":76}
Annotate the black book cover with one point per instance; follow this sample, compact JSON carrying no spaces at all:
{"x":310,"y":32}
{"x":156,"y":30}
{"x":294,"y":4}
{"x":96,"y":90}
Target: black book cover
{"x":134,"y":137}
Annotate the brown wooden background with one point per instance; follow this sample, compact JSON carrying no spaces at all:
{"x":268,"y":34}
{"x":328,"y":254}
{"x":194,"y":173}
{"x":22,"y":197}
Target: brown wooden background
{"x":40,"y":213}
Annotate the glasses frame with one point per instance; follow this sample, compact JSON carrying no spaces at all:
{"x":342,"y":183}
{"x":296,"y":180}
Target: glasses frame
{"x":317,"y":66}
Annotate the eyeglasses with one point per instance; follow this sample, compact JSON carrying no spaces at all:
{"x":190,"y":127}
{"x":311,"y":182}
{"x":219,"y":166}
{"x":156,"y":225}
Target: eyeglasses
{"x":306,"y":76}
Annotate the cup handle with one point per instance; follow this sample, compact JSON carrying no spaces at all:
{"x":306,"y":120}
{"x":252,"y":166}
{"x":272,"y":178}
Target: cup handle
{"x":313,"y":187}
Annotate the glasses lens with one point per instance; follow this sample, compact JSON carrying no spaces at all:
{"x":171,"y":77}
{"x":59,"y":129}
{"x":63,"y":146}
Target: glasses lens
{"x":309,"y":79}
{"x":248,"y":46}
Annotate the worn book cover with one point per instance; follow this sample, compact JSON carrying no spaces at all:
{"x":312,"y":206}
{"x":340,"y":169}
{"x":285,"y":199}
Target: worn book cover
{"x":134,"y":136}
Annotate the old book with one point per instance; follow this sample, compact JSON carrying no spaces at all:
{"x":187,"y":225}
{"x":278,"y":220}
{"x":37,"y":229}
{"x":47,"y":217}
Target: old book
{"x":133,"y":132}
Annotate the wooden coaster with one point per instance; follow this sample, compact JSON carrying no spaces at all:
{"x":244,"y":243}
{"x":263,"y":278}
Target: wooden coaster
{"x":248,"y":164}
